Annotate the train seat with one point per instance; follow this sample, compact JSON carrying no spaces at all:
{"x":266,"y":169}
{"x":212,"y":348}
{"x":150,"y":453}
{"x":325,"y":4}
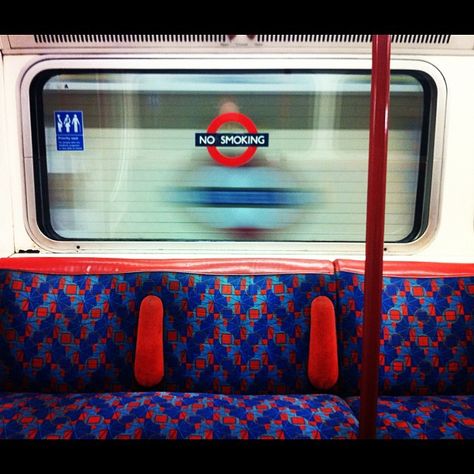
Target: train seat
{"x":423,"y":417}
{"x":426,"y":372}
{"x":174,"y":415}
{"x":235,"y":345}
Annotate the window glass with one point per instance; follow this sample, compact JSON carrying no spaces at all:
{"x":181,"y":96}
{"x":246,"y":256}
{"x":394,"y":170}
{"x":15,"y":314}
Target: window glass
{"x":129,"y":155}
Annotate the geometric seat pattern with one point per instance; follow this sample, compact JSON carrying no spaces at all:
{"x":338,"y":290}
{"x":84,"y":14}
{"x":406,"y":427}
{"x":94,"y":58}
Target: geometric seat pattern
{"x":423,"y":417}
{"x":222,"y":334}
{"x":167,"y":415}
{"x":426,"y":339}
{"x":240,"y":334}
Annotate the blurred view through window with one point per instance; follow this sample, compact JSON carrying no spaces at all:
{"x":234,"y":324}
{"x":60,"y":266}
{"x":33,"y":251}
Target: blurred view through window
{"x":137,"y":173}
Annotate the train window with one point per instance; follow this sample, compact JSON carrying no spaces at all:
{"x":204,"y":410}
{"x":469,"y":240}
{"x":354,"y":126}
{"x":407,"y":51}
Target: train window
{"x":223,"y":155}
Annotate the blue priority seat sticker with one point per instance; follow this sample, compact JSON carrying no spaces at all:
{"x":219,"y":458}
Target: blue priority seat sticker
{"x":69,"y":126}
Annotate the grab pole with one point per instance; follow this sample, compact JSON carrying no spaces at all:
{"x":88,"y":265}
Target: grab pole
{"x":374,"y":242}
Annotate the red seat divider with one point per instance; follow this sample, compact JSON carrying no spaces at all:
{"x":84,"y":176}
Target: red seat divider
{"x":322,"y":364}
{"x":149,"y":365}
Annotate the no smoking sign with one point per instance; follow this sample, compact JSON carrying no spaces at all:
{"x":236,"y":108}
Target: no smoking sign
{"x":212,"y":139}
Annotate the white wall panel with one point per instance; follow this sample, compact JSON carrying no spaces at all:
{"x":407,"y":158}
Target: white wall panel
{"x":452,"y":240}
{"x":6,"y":224}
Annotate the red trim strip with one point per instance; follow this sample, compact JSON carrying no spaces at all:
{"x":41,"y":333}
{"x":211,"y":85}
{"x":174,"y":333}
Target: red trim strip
{"x":225,"y":266}
{"x":149,"y":366}
{"x":322,"y":362}
{"x":410,"y":269}
{"x":377,"y":179}
{"x":101,"y":266}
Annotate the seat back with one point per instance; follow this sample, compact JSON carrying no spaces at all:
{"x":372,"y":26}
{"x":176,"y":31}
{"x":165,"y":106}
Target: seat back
{"x":66,"y":333}
{"x":228,"y":327}
{"x":426,"y":339}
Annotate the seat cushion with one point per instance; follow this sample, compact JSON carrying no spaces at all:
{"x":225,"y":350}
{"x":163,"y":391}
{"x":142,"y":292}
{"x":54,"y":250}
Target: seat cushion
{"x":417,"y":417}
{"x":172,"y":415}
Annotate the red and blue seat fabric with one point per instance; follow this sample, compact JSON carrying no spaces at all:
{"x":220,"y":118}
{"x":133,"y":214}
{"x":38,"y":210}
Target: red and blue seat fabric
{"x":426,"y":371}
{"x":423,"y":417}
{"x":236,"y":354}
{"x":171,"y":415}
{"x":230,"y":340}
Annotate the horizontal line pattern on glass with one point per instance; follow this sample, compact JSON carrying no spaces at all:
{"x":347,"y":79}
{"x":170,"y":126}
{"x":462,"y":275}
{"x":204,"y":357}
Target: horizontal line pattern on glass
{"x":140,"y":176}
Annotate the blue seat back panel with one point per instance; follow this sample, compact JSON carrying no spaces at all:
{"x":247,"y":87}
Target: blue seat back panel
{"x":222,"y":334}
{"x":426,"y":339}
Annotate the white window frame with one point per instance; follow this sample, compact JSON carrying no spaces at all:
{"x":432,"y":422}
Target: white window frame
{"x":226,"y":62}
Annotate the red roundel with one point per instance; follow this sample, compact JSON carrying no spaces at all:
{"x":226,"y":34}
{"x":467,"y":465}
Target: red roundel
{"x":243,"y":120}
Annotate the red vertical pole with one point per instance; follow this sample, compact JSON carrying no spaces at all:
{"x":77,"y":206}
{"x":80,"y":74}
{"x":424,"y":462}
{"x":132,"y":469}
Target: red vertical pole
{"x":374,"y":241}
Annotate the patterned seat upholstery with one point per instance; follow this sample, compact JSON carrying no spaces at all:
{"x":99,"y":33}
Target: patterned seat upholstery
{"x":169,"y":415}
{"x":420,"y":417}
{"x":224,"y":334}
{"x":426,"y":345}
